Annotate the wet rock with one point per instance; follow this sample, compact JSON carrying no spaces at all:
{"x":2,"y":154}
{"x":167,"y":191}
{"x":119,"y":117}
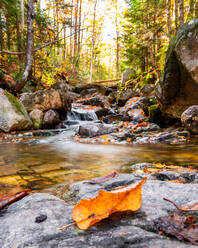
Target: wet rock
{"x":167,"y":137}
{"x":36,"y":116}
{"x":57,"y":97}
{"x":112,"y":118}
{"x":134,"y":103}
{"x":126,"y":96}
{"x":94,"y":129}
{"x":166,"y":175}
{"x":98,"y":100}
{"x":13,"y":115}
{"x":19,"y":229}
{"x":84,"y":89}
{"x":103,"y":112}
{"x":51,"y":119}
{"x":189,"y":119}
{"x":179,"y":87}
{"x":137,"y":115}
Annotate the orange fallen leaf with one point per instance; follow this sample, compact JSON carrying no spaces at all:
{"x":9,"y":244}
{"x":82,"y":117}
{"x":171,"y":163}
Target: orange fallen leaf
{"x":88,"y":212}
{"x":146,"y":169}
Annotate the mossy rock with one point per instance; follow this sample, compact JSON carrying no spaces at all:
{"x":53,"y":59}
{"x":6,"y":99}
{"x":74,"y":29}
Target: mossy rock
{"x":178,"y":88}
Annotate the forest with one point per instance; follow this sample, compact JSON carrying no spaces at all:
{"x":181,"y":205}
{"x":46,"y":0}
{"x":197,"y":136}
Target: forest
{"x":88,"y":40}
{"x":98,"y":123}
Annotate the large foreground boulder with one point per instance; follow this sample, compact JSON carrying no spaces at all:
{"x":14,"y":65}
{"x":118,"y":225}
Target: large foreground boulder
{"x":56,"y":97}
{"x":13,"y":115}
{"x":178,"y":88}
{"x":33,"y":222}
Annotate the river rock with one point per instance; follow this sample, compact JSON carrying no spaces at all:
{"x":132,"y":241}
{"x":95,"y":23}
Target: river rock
{"x":13,"y":115}
{"x":98,"y":100}
{"x":94,"y":129}
{"x":20,"y":229}
{"x":189,"y":119}
{"x":126,"y":96}
{"x":178,"y":88}
{"x":51,"y":119}
{"x":134,"y":103}
{"x":56,"y":97}
{"x":86,"y":89}
{"x":36,"y":116}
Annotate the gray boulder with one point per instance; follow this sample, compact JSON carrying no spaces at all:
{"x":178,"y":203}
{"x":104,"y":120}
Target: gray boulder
{"x":189,"y":119}
{"x":13,"y":115}
{"x":95,"y":129}
{"x":178,"y":88}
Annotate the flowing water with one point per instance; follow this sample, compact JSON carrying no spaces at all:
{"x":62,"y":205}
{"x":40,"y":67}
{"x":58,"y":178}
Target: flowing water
{"x":58,"y":160}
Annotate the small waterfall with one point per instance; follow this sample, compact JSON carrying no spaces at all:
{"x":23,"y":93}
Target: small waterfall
{"x":82,"y":115}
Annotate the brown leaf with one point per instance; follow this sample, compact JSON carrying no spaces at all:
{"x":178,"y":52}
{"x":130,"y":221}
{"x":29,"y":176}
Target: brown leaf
{"x":88,"y":212}
{"x":181,"y":227}
{"x":103,"y":179}
{"x":193,"y":206}
{"x":6,"y":200}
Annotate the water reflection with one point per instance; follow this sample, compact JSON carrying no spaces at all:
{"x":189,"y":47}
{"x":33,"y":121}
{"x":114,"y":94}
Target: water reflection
{"x":39,"y":166}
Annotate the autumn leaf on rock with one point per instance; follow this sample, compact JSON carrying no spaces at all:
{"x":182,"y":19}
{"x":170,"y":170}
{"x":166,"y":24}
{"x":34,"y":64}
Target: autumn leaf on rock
{"x":88,"y":212}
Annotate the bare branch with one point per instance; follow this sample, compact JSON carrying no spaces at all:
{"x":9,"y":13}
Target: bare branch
{"x":38,"y":48}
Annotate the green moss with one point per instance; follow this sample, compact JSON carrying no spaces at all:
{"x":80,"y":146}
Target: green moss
{"x":181,"y":35}
{"x":19,"y":107}
{"x":36,"y":125}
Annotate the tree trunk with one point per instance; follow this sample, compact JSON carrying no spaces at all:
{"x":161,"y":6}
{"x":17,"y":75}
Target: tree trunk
{"x":1,"y":32}
{"x":22,"y":19}
{"x":71,"y":47}
{"x":169,"y":18}
{"x":76,"y":26}
{"x":176,"y":15}
{"x":79,"y":27}
{"x":30,"y":44}
{"x":117,"y":40}
{"x":181,"y":12}
{"x":93,"y":42}
{"x":192,"y":9}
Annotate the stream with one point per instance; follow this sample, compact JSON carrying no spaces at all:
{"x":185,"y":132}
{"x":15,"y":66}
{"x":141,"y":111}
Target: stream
{"x":42,"y":163}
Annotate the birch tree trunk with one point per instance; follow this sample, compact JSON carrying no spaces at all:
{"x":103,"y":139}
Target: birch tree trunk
{"x":22,"y":19}
{"x":79,"y":27}
{"x":71,"y":46}
{"x":30,"y":44}
{"x":93,"y":42}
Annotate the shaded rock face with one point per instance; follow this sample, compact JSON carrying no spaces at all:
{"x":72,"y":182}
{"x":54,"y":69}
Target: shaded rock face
{"x":57,"y":97}
{"x":178,"y":88}
{"x":13,"y":115}
{"x":189,"y":119}
{"x":51,"y":119}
